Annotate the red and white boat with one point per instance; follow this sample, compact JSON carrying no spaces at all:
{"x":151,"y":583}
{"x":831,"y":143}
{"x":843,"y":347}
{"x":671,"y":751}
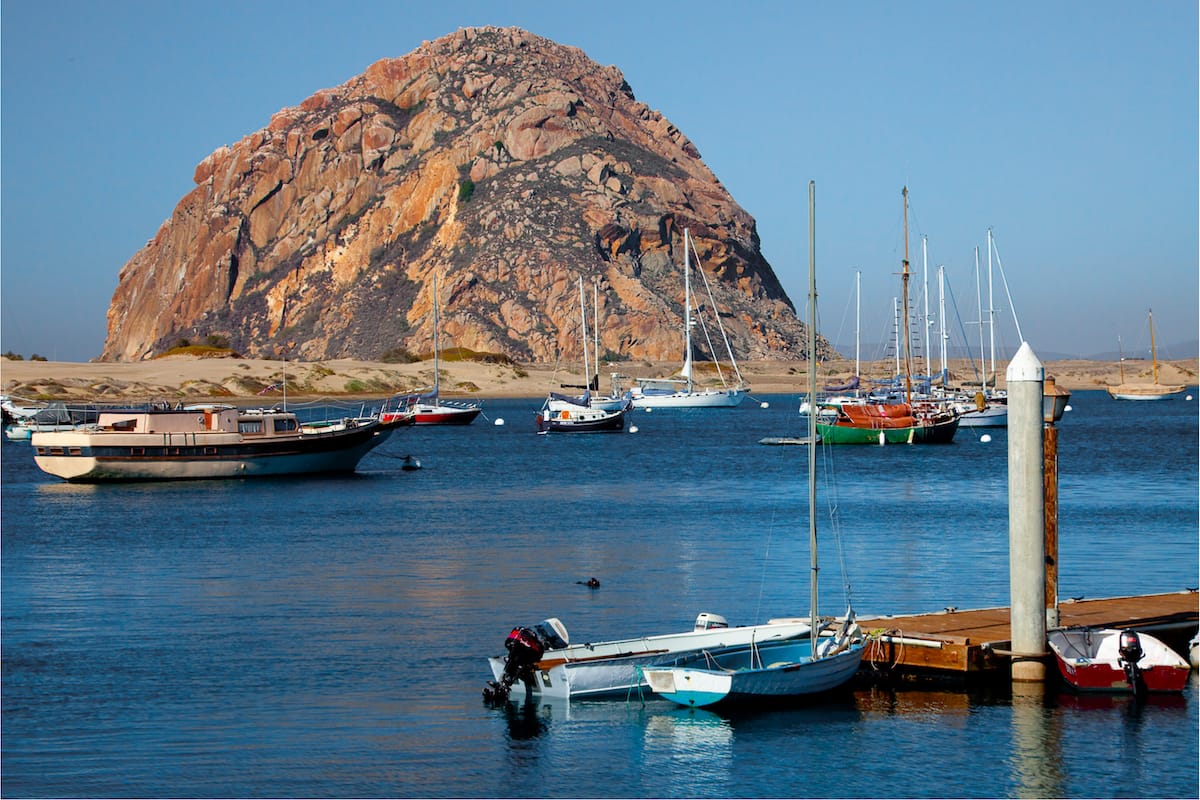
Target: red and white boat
{"x":1109,"y":660}
{"x":429,"y":409}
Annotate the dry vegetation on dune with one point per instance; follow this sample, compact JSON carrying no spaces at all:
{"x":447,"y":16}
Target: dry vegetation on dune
{"x":193,"y":377}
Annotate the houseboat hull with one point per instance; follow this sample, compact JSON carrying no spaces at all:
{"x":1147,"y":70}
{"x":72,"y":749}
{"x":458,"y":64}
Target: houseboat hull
{"x":100,"y":455}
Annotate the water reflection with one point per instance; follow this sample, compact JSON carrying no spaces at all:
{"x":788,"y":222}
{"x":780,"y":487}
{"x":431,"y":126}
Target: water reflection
{"x":695,"y":743}
{"x":1036,"y":758}
{"x":526,"y":719}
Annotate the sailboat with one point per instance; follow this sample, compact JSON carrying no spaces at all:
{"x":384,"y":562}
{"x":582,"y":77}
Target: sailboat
{"x":583,"y":413}
{"x":1145,"y":391}
{"x":988,"y":407}
{"x":429,"y":408}
{"x":779,"y":669}
{"x":683,"y":392}
{"x":890,"y":423}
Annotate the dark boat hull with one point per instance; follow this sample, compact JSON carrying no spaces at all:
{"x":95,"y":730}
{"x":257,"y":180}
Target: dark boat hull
{"x":581,"y":422}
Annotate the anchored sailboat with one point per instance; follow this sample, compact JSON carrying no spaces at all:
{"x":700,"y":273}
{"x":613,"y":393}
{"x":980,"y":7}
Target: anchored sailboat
{"x":682,"y":392}
{"x":1145,"y":391}
{"x":429,"y":407}
{"x":890,"y":423}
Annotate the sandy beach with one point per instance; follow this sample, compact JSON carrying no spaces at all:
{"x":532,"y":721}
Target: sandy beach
{"x":195,"y":378}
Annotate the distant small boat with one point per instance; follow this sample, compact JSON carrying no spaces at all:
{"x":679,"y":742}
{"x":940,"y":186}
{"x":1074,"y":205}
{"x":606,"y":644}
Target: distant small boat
{"x":17,"y":410}
{"x":48,"y":418}
{"x":787,"y":440}
{"x":1109,"y":660}
{"x":986,"y":410}
{"x":429,"y":408}
{"x":205,"y":441}
{"x":682,"y":392}
{"x":1145,"y":391}
{"x":585,"y":413}
{"x":566,"y":414}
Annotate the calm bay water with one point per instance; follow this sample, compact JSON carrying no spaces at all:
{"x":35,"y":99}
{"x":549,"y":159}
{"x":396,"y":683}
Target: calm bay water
{"x":328,"y":636}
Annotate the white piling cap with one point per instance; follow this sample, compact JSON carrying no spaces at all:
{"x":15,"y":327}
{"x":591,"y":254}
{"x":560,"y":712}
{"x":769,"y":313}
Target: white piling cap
{"x":1025,"y":366}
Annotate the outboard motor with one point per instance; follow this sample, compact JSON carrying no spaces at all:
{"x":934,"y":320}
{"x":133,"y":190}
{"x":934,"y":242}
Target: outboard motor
{"x":525,"y":648}
{"x":1131,"y":653}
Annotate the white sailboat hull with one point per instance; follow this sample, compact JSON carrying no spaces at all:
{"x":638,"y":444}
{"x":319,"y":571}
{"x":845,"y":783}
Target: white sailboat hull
{"x":704,"y":398}
{"x":773,"y":670}
{"x":993,"y":416}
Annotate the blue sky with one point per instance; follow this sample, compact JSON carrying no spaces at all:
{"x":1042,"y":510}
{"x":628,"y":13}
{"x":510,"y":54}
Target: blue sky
{"x":1069,"y":128}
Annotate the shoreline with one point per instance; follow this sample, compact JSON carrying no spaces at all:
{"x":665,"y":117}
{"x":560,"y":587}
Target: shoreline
{"x":199,"y":378}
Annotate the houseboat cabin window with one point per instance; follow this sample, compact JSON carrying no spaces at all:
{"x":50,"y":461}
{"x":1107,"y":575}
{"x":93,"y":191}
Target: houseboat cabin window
{"x":250,"y":426}
{"x":285,"y":424}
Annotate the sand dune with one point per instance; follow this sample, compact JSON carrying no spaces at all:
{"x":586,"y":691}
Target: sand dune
{"x":194,"y":378}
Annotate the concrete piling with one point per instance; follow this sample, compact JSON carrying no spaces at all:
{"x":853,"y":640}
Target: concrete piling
{"x":1026,"y":515}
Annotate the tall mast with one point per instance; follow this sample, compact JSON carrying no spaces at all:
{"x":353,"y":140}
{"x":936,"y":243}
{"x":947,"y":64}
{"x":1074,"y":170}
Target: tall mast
{"x":942,"y":317}
{"x":812,"y":412}
{"x":435,"y":338}
{"x":587,"y":375}
{"x":925,"y":292}
{"x":596,"y":329}
{"x":857,"y":316}
{"x":1153,"y":349}
{"x":991,"y":306}
{"x":979,"y":305}
{"x":904,"y":285}
{"x":687,"y":310}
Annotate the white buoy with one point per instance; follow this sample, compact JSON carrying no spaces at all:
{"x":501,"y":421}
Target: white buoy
{"x":499,"y":421}
{"x":987,"y":437}
{"x":648,"y":409}
{"x":1189,"y":397}
{"x":633,"y":429}
{"x":764,"y":404}
{"x":1067,"y":407}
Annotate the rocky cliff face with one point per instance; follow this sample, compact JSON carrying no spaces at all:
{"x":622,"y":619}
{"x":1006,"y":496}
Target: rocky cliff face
{"x":501,"y":163}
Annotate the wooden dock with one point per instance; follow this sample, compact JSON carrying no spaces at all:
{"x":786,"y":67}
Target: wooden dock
{"x":964,"y":643}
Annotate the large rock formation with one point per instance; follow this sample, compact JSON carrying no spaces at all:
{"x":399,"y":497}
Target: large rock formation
{"x":506,"y":165}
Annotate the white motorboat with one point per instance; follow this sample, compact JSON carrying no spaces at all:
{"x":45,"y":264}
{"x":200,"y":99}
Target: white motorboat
{"x":542,"y":659}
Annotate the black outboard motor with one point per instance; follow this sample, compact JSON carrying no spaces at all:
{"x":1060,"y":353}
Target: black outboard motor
{"x":1131,"y":653}
{"x":525,"y":649}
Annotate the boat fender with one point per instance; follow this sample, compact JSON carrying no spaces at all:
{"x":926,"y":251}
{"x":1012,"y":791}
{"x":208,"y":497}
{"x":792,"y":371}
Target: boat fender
{"x":566,"y":415}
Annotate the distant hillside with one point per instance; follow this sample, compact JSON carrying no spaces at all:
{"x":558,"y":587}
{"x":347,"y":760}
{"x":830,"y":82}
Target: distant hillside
{"x":1173,"y":352}
{"x":504,"y":164}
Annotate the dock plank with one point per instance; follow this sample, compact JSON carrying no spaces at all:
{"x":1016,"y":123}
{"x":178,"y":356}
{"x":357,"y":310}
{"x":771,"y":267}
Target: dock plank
{"x":977,"y":640}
